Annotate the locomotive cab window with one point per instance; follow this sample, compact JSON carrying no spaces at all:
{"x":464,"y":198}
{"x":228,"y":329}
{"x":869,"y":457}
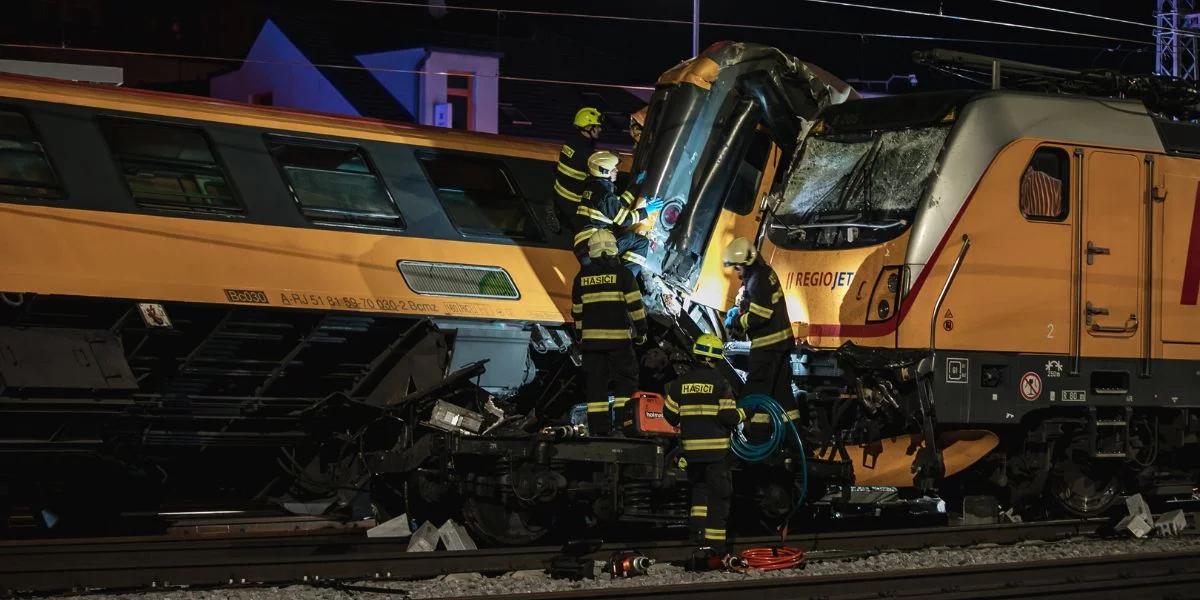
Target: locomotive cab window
{"x":335,"y":183}
{"x":170,"y":166}
{"x":1045,"y":183}
{"x":25,"y":171}
{"x":480,"y":196}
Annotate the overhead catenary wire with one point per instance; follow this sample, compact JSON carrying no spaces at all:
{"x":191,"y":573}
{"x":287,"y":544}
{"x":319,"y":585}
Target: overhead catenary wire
{"x":906,"y":11}
{"x":748,"y":26}
{"x":321,"y":65}
{"x":1090,"y":16}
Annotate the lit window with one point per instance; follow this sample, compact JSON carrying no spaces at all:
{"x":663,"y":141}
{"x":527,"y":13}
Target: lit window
{"x":335,"y":183}
{"x":1044,"y":194}
{"x":25,"y":170}
{"x":480,"y":196}
{"x":170,"y":166}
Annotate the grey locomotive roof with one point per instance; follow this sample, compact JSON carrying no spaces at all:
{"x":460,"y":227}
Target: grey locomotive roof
{"x":992,"y":120}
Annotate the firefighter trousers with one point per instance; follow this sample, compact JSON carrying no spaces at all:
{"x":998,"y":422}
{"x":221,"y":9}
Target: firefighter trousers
{"x":771,"y":374}
{"x":712,"y":492}
{"x":614,"y":369}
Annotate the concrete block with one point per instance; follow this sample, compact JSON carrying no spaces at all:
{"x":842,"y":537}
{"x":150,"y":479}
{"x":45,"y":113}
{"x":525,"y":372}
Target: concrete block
{"x":425,"y":539}
{"x":392,"y":528}
{"x":1170,"y":524}
{"x":455,"y":536}
{"x":1137,"y":526}
{"x":1136,"y":505}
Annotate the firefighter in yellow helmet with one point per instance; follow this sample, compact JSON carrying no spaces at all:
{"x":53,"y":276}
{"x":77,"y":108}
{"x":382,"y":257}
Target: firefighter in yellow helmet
{"x":700,"y":403}
{"x":601,"y":209}
{"x":606,"y":305}
{"x":762,"y":317}
{"x":571,"y":171}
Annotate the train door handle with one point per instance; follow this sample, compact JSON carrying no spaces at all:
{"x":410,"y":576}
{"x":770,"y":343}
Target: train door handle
{"x":1093,"y":250}
{"x":1092,"y":311}
{"x":1131,"y":326}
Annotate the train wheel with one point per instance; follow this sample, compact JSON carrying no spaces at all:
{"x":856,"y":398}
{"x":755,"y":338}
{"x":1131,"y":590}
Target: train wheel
{"x":1083,"y":486}
{"x":502,"y":525}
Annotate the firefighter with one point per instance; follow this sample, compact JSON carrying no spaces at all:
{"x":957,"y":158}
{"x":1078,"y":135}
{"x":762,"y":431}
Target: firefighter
{"x":762,"y":317}
{"x":610,"y":318}
{"x":572,"y":165}
{"x":637,"y":122}
{"x":701,"y":405}
{"x":601,"y":209}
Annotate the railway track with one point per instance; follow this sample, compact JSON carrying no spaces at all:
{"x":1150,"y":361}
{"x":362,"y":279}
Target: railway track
{"x":150,"y":562}
{"x":1154,"y":575}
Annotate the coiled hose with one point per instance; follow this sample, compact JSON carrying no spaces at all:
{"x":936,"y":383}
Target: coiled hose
{"x":783,"y":557}
{"x":781,"y":427}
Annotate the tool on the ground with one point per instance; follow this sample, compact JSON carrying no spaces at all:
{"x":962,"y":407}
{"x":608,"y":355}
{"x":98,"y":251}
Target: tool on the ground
{"x":627,"y":563}
{"x":773,"y":559}
{"x":573,"y":562}
{"x":708,"y":559}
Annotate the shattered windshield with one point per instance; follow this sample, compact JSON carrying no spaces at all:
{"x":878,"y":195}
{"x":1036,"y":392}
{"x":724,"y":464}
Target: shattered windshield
{"x":869,"y":183}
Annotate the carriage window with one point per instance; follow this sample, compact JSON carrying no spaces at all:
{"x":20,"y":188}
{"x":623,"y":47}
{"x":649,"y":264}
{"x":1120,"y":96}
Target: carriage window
{"x":480,"y":196}
{"x":170,"y":166}
{"x":25,"y":170}
{"x":1044,"y":185}
{"x":335,"y":183}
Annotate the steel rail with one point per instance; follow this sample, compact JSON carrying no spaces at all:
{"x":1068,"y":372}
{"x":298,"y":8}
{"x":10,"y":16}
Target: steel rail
{"x":146,"y":562}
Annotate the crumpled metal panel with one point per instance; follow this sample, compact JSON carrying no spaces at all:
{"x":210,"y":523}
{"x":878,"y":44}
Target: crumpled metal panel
{"x":702,"y":117}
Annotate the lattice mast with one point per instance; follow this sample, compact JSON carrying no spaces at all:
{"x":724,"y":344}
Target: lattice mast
{"x":1175,"y":39}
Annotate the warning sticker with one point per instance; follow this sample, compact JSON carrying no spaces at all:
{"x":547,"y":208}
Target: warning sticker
{"x":1031,"y":386}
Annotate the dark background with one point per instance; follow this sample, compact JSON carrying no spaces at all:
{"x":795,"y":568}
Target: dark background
{"x":572,"y":48}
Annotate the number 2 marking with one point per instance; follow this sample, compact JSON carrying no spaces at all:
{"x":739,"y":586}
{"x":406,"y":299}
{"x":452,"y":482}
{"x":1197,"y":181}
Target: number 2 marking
{"x":1049,"y":331}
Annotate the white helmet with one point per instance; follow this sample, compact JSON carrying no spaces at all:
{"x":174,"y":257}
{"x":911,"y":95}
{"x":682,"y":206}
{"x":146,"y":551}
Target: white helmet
{"x":602,"y":243}
{"x":602,"y":163}
{"x":739,"y":252}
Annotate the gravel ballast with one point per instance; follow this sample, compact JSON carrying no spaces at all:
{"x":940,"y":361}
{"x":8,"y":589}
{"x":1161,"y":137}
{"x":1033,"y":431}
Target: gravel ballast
{"x":472,"y":585}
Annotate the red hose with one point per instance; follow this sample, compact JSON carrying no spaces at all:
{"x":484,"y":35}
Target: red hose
{"x":773,"y":559}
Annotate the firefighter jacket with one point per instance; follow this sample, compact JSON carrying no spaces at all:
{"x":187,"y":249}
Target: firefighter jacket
{"x":572,"y":170}
{"x":601,"y":208}
{"x":763,"y":312}
{"x":607,"y":305}
{"x":701,"y":405}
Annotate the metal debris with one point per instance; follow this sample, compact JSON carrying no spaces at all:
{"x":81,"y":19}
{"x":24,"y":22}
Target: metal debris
{"x":425,"y":539}
{"x":455,"y":536}
{"x":1170,"y":524}
{"x":392,"y":528}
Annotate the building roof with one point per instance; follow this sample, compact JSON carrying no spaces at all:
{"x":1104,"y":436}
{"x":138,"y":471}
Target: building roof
{"x":527,"y":108}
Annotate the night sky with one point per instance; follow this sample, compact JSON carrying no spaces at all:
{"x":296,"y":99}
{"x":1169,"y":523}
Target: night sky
{"x":590,"y":49}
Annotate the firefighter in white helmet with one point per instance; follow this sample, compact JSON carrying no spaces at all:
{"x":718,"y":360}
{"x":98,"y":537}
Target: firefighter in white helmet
{"x":601,"y":209}
{"x":606,"y":305}
{"x":762,"y":317}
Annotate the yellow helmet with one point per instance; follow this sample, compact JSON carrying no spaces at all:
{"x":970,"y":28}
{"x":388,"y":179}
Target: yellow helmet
{"x":602,"y":163}
{"x":587,"y":117}
{"x":708,"y":345}
{"x":602,"y":243}
{"x":739,"y":252}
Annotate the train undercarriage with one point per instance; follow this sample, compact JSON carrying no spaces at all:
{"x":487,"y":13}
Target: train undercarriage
{"x":115,"y":406}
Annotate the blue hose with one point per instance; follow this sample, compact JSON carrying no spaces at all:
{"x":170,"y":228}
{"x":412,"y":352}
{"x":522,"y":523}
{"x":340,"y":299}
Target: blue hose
{"x":781,"y":425}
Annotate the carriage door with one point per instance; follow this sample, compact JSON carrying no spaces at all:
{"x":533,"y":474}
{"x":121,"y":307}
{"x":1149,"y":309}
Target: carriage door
{"x":1111,"y":255}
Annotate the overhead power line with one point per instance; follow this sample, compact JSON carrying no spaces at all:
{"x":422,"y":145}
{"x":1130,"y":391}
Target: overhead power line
{"x":323,"y":66}
{"x":905,"y":11}
{"x":1083,"y":14}
{"x":751,"y":26}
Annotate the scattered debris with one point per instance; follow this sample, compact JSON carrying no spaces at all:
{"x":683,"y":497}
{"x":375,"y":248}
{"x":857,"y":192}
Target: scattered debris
{"x":425,"y":539}
{"x":455,"y":419}
{"x":392,"y":528}
{"x":1170,"y":524}
{"x":1009,"y":516}
{"x":1139,"y":522}
{"x":455,"y":536}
